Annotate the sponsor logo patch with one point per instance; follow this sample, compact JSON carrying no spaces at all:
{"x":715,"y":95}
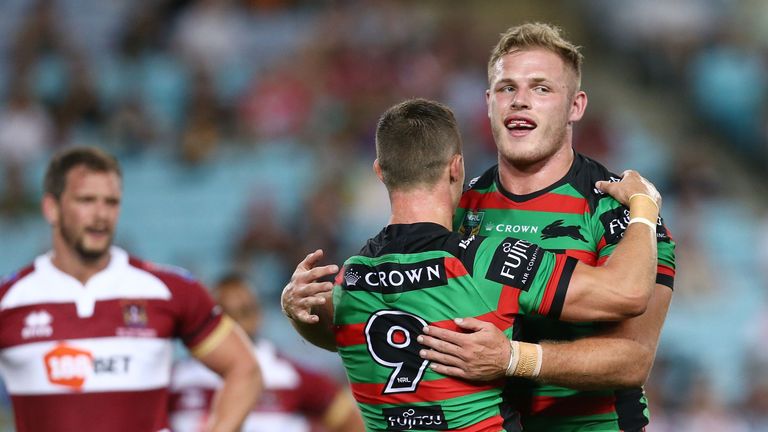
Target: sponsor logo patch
{"x":69,"y":366}
{"x":429,"y":417}
{"x":37,"y":325}
{"x":391,"y":278}
{"x":515,"y":263}
{"x":616,"y":221}
{"x":510,"y":229}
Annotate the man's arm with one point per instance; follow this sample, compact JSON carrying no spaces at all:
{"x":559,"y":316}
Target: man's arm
{"x":343,"y":415}
{"x":619,"y":289}
{"x":307,"y":302}
{"x":231,"y":356}
{"x":620,"y":356}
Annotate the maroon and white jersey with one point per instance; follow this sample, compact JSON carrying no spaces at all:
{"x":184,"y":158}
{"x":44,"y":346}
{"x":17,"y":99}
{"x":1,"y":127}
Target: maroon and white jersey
{"x":97,"y":357}
{"x":293,"y":399}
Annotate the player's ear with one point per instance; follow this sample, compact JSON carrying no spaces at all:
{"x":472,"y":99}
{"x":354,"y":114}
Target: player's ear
{"x":377,"y":169}
{"x":50,"y":208}
{"x":457,"y":168}
{"x":578,"y":106}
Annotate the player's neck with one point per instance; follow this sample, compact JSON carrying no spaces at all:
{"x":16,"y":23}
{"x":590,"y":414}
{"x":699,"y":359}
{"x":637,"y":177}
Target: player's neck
{"x":69,"y":262}
{"x":525,"y":179}
{"x":421,"y":206}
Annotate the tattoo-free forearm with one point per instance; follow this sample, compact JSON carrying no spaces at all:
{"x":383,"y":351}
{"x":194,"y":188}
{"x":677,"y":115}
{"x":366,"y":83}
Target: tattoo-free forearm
{"x":319,"y":334}
{"x":621,"y":356}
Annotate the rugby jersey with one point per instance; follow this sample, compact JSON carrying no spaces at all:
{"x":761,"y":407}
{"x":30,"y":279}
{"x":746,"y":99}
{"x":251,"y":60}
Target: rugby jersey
{"x":294,"y":398}
{"x":413,"y":275}
{"x":574,"y":218}
{"x":97,"y":357}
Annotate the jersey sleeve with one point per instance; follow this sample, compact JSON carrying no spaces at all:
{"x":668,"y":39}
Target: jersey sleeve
{"x":539,"y":279}
{"x":199,"y":322}
{"x":610,"y":222}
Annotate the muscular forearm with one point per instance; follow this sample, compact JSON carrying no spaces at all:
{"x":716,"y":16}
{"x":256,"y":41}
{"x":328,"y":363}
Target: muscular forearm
{"x":235,"y":399}
{"x":621,"y":356}
{"x":630,"y":272}
{"x":622,"y":287}
{"x":594,"y":363}
{"x":320,"y":333}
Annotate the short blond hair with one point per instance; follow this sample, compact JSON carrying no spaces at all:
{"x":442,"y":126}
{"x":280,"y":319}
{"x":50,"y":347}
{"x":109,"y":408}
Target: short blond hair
{"x":537,"y":35}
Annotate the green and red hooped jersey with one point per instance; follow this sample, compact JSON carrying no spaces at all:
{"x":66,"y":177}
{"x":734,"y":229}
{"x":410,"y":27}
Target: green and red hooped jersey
{"x":573,"y":218}
{"x":409,"y":276}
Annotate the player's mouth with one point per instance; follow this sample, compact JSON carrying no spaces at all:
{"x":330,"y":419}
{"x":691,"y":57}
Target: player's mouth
{"x":98,"y":232}
{"x":519,"y":126}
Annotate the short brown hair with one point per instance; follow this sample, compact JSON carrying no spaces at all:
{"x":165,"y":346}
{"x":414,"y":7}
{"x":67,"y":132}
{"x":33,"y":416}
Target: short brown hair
{"x":537,"y":35}
{"x":415,"y":141}
{"x":65,"y":160}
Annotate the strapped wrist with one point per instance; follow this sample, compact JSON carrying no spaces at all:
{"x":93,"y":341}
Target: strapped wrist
{"x":524,"y":359}
{"x":643,"y":206}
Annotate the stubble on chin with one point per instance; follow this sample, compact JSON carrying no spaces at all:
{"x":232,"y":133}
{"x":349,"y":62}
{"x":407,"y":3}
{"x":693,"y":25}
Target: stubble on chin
{"x":91,"y":255}
{"x":77,"y":243}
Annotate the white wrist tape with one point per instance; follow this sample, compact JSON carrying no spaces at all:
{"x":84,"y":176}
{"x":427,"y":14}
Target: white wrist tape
{"x":524,"y":359}
{"x":643,"y":221}
{"x":650,"y":198}
{"x":514,"y":357}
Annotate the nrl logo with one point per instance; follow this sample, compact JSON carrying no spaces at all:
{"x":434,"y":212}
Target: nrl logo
{"x":471,"y":224}
{"x":351,"y":277}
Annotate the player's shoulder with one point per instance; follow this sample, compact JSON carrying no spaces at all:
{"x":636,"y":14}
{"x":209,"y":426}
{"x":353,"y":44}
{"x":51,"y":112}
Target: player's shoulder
{"x":585,"y":173}
{"x":484,"y":181}
{"x":11,"y":279}
{"x":171,"y":275}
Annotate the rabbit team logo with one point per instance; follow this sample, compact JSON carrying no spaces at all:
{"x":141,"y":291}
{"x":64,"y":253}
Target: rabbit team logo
{"x":37,"y":325}
{"x":557,"y":229}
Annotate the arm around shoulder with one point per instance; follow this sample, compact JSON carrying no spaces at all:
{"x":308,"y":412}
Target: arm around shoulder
{"x":622,"y":287}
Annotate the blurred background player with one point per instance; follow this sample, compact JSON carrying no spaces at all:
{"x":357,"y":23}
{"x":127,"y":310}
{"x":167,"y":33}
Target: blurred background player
{"x":87,"y":331}
{"x":295,"y":399}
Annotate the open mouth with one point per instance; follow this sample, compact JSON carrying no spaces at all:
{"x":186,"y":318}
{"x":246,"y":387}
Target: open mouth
{"x":519,"y":124}
{"x":99,"y":232}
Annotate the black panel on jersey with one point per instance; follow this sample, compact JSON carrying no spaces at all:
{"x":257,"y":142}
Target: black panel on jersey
{"x":394,"y":278}
{"x":511,"y":417}
{"x":630,"y":408}
{"x":556,"y":309}
{"x":485,"y":180}
{"x":422,"y":237}
{"x":515,"y":263}
{"x":583,"y":175}
{"x":666,"y":280}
